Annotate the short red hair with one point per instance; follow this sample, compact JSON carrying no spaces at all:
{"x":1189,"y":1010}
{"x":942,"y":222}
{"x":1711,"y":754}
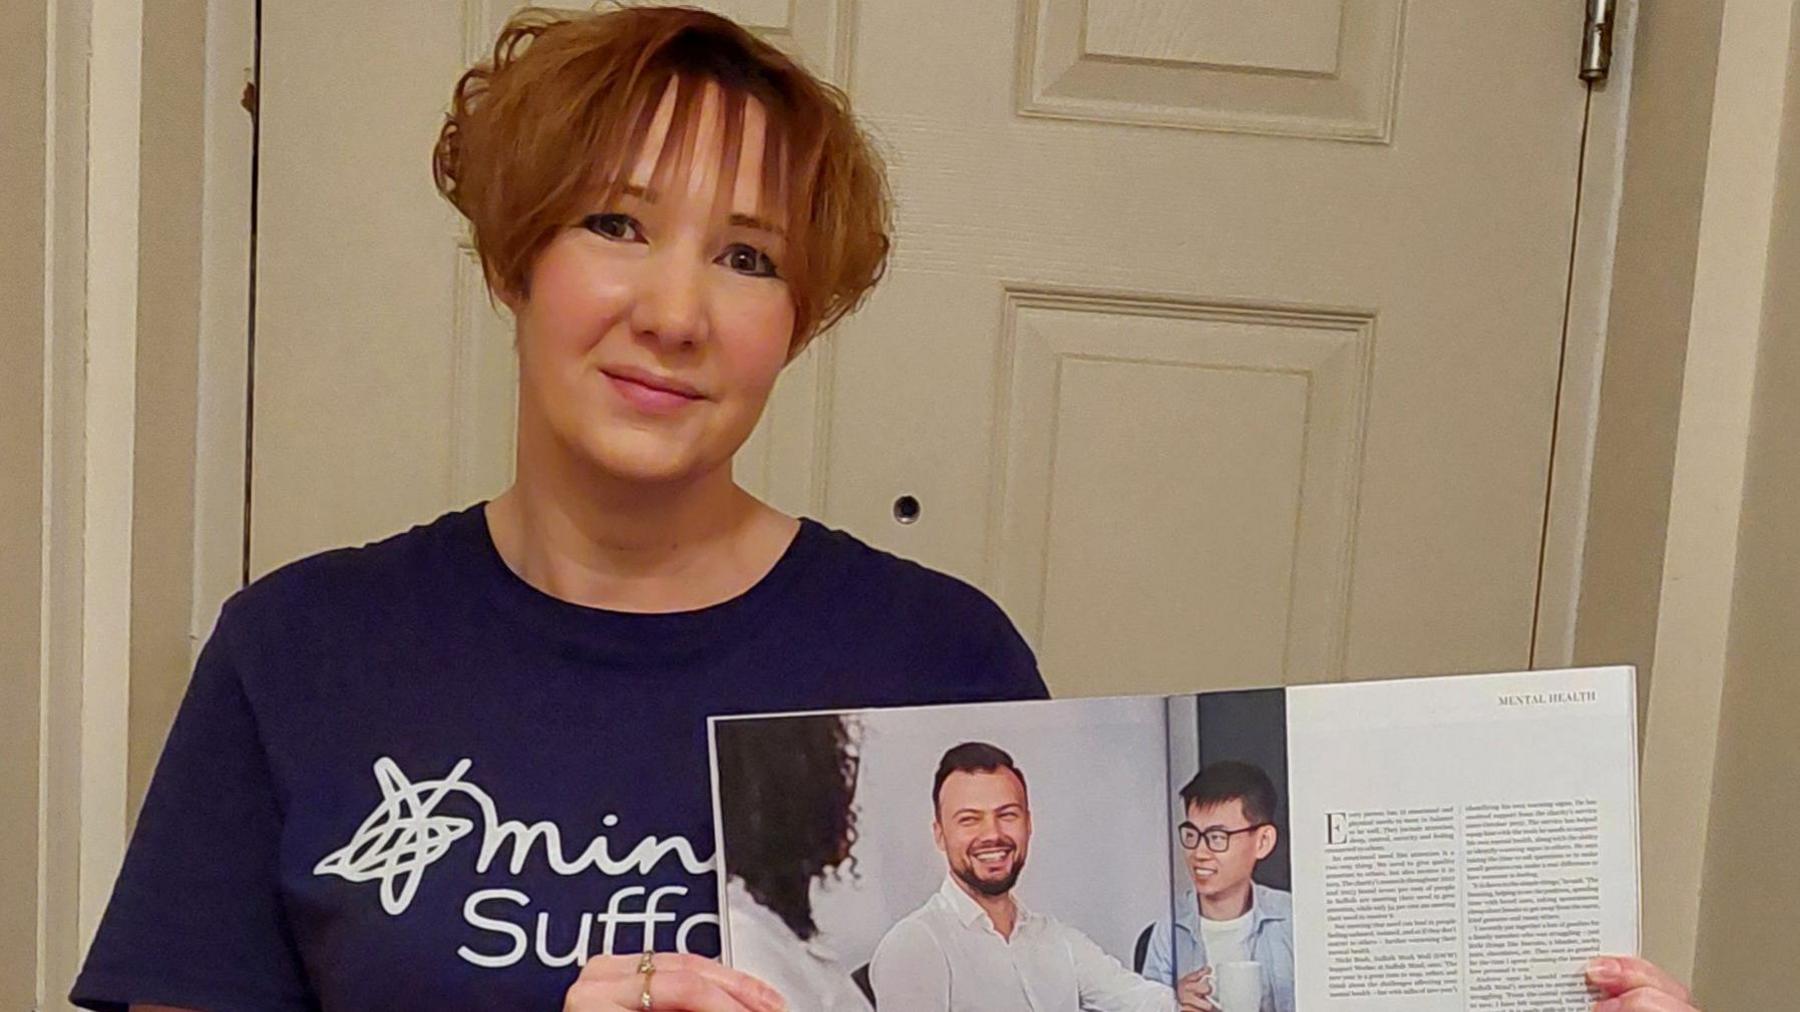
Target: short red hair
{"x":557,"y":115}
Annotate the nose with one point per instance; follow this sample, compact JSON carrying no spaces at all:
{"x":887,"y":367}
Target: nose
{"x":670,"y":305}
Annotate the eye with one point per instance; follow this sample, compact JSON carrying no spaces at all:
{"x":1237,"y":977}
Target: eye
{"x":746,"y":259}
{"x":620,"y":227}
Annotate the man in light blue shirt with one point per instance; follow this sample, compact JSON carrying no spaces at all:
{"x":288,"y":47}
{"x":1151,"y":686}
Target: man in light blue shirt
{"x":1228,"y":917}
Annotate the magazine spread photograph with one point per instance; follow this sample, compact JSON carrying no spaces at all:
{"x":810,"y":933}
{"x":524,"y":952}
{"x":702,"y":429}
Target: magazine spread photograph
{"x":1458,"y":842}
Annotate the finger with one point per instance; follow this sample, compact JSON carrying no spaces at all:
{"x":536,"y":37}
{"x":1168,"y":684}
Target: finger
{"x":686,"y":991}
{"x":596,"y":996}
{"x":1645,"y":999}
{"x":752,"y":992}
{"x":611,"y":968}
{"x":607,"y":967}
{"x":745,"y":989}
{"x":1615,"y":975}
{"x":1194,"y":994}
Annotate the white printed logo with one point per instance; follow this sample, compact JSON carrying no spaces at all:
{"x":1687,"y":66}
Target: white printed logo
{"x":405,"y":835}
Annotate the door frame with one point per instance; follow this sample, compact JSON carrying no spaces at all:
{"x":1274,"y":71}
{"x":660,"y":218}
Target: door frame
{"x":93,"y":101}
{"x":1585,"y":322}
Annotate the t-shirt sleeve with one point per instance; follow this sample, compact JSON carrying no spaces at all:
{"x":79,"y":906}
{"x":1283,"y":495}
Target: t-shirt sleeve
{"x":1012,"y":663}
{"x":196,"y":919}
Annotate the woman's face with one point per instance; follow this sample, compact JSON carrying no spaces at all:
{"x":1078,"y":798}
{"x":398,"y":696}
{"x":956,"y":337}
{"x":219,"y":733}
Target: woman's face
{"x":655,"y":327}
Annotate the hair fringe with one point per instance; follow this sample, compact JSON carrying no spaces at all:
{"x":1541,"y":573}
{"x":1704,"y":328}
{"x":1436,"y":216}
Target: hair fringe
{"x":528,"y":125}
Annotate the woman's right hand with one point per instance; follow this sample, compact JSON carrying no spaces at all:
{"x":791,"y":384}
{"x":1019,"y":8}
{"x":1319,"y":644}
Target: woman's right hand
{"x":680,"y":983}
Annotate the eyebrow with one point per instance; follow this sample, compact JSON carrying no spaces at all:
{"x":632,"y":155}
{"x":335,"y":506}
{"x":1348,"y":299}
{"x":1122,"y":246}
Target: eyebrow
{"x":1010,"y":806}
{"x":737,"y":220}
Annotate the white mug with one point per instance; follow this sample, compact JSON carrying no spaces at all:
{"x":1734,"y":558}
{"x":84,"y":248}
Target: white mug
{"x":1238,"y":986}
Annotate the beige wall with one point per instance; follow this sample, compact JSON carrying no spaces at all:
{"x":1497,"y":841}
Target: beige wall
{"x":22,"y":167}
{"x":1708,"y":500}
{"x":1646,"y":342}
{"x":1750,"y":906}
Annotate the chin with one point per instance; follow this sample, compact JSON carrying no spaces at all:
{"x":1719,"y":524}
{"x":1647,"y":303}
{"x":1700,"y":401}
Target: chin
{"x":651,"y":462}
{"x":664,"y":450}
{"x":1215,"y":888}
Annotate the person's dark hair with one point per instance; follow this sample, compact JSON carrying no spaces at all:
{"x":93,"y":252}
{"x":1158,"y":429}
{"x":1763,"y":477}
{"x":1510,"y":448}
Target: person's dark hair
{"x":787,"y":788}
{"x":1227,"y":780}
{"x":972,"y":757}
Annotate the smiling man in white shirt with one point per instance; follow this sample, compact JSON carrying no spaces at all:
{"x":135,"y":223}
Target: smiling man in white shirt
{"x":973,"y":947}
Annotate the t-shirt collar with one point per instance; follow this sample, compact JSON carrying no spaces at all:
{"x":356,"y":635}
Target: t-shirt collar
{"x":626,"y":640}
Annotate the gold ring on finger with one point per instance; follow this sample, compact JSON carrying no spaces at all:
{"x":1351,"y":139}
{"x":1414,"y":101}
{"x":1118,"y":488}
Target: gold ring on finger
{"x":647,"y":967}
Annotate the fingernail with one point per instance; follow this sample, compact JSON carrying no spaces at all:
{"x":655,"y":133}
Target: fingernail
{"x":1603,"y":969}
{"x":1609,"y":1005}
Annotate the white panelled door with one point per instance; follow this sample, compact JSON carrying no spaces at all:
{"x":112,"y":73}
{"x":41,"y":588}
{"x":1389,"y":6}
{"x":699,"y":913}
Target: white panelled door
{"x":1221,"y":341}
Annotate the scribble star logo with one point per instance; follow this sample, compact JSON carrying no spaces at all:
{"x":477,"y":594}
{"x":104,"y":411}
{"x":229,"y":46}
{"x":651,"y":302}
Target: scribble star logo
{"x":402,"y":836}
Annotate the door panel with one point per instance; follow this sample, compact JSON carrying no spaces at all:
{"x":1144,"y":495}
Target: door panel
{"x":1220,"y":341}
{"x":1229,"y":510}
{"x":1305,"y":68}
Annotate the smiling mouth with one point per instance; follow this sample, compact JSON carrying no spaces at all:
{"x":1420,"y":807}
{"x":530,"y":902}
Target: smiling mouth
{"x":991,"y":855}
{"x":651,"y":394}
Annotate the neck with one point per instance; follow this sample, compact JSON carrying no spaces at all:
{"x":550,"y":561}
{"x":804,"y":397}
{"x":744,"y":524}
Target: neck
{"x":1001,"y":910}
{"x":1228,"y":905}
{"x":596,"y":540}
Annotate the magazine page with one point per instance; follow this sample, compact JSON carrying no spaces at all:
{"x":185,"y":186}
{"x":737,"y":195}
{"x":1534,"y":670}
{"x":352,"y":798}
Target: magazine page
{"x":991,"y":856}
{"x":1232,"y":927}
{"x":1463,"y":842}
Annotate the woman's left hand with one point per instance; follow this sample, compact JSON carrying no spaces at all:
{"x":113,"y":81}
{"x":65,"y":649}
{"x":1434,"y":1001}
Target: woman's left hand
{"x":1630,"y":984}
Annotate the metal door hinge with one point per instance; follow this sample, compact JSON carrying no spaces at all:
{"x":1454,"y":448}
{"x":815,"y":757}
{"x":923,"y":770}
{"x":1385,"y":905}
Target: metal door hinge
{"x":1596,"y":40}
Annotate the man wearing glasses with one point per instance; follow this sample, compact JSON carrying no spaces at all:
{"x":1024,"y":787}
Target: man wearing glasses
{"x":1230,"y":918}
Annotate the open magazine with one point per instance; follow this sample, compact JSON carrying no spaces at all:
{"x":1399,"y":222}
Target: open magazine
{"x":1462,"y":842}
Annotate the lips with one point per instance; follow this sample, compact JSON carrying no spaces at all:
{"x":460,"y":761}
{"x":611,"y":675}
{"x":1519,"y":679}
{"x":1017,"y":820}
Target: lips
{"x":651,"y":393}
{"x":991,"y":855}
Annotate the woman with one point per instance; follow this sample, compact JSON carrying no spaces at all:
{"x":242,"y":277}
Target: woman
{"x":787,"y":812}
{"x":441,"y":771}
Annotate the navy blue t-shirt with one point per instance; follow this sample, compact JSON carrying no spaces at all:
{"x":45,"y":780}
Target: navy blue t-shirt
{"x":403,"y":778}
